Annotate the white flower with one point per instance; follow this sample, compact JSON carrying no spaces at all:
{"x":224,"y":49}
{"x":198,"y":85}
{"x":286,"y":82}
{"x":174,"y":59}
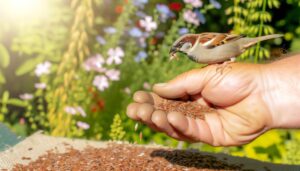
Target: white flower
{"x":148,"y":24}
{"x":115,"y":56}
{"x":127,"y":90}
{"x":101,"y":82}
{"x":94,"y":63}
{"x":81,"y":111}
{"x":83,"y":125}
{"x":113,"y":74}
{"x":26,"y":96}
{"x":70,"y":110}
{"x":191,"y":17}
{"x":40,"y":86}
{"x":42,"y":68}
{"x":194,"y":3}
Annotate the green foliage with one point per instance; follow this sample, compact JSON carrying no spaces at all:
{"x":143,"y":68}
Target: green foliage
{"x":292,"y":149}
{"x":251,"y":19}
{"x":4,"y":56}
{"x":4,"y":61}
{"x":68,"y":38}
{"x":29,"y":65}
{"x":116,"y":129}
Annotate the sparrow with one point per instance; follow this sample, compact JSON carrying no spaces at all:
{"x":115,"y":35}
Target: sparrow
{"x":212,"y":48}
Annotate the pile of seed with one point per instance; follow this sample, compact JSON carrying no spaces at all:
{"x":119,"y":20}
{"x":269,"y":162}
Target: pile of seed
{"x":127,"y":157}
{"x":189,"y":108}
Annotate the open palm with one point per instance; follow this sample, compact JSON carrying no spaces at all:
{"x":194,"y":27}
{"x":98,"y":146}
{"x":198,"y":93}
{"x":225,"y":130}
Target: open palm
{"x":237,"y":94}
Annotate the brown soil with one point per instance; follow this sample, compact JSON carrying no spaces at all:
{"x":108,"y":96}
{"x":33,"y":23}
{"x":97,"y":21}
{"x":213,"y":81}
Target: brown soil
{"x":189,"y":108}
{"x":128,"y":158}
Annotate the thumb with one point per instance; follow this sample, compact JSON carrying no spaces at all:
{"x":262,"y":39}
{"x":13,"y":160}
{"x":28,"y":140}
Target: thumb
{"x":189,"y":83}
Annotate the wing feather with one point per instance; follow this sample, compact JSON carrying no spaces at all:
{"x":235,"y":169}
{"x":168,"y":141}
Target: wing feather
{"x":212,"y":40}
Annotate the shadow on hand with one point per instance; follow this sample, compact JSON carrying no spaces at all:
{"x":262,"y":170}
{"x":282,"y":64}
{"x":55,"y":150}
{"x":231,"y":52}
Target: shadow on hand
{"x":193,"y":158}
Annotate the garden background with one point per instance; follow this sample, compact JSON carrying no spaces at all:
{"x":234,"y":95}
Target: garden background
{"x":70,"y":67}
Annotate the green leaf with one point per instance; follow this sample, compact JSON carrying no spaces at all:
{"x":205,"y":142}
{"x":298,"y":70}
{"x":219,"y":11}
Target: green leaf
{"x":17,"y":102}
{"x":28,"y":66}
{"x":4,"y":56}
{"x":5,"y":97}
{"x":2,"y":78}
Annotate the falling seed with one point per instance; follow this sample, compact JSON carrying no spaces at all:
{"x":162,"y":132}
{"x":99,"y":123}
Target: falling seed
{"x":136,"y":126}
{"x":141,"y":136}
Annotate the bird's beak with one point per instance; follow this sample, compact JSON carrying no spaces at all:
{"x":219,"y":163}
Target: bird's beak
{"x":173,"y":52}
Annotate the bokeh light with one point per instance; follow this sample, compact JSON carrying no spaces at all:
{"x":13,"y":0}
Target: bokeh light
{"x":23,"y":10}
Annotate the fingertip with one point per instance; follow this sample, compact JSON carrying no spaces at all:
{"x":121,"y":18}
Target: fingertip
{"x":132,"y":110}
{"x":145,"y":111}
{"x":168,"y":90}
{"x":159,"y":118}
{"x":143,"y":97}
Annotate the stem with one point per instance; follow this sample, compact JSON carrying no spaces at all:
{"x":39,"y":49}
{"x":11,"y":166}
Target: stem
{"x":260,"y":32}
{"x":237,"y":27}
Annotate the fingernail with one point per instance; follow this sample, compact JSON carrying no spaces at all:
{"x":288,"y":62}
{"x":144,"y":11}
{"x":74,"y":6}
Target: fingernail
{"x":160,"y":84}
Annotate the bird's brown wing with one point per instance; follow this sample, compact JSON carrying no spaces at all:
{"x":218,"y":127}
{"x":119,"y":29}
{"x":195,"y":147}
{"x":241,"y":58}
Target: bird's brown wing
{"x":212,"y":40}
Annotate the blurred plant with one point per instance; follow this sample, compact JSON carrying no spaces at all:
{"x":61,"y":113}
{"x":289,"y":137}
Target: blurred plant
{"x":293,"y":152}
{"x":90,"y":56}
{"x":4,"y":61}
{"x":292,"y":148}
{"x":250,"y":19}
{"x":116,"y":129}
{"x":67,"y":89}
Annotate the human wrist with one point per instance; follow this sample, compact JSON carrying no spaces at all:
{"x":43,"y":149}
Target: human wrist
{"x":281,"y":82}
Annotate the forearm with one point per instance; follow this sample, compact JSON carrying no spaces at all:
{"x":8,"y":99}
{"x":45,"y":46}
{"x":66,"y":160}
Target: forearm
{"x":282,"y":86}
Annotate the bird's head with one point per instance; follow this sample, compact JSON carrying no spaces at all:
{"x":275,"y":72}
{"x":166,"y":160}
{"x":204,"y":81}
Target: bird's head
{"x":183,"y":44}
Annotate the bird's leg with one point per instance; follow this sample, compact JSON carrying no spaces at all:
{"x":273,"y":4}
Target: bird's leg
{"x":224,"y":65}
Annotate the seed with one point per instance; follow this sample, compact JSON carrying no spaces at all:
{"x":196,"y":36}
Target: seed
{"x":127,"y":157}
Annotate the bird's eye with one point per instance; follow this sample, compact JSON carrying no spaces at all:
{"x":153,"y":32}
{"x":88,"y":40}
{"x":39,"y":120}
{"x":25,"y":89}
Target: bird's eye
{"x":186,"y":46}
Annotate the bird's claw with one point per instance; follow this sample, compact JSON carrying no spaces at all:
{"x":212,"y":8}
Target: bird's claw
{"x":221,"y":67}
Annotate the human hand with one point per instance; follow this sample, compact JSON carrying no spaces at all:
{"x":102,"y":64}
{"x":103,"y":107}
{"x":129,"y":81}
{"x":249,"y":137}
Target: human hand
{"x":243,"y":97}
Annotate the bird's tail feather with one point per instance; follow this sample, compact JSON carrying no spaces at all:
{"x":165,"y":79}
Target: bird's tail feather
{"x":253,"y":41}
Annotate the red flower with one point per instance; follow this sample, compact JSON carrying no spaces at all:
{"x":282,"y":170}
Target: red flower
{"x":101,"y":104}
{"x":119,"y":9}
{"x":153,"y":41}
{"x":94,"y":109}
{"x":175,"y":6}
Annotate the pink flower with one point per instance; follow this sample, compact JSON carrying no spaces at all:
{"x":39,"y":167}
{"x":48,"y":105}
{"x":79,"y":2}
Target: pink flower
{"x":94,"y":63}
{"x":101,"y":82}
{"x":148,"y":24}
{"x":42,"y":69}
{"x":194,"y":3}
{"x":26,"y":96}
{"x":80,"y":111}
{"x":115,"y":56}
{"x":146,"y":86}
{"x":113,"y":74}
{"x":22,"y":121}
{"x":70,"y":110}
{"x":74,"y":110}
{"x":191,"y":17}
{"x":83,"y":125}
{"x":40,"y":86}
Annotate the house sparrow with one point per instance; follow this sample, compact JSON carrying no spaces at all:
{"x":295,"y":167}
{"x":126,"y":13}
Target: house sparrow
{"x":211,"y":48}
